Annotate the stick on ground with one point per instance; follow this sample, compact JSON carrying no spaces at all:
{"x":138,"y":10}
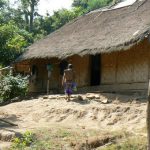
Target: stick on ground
{"x":8,"y":122}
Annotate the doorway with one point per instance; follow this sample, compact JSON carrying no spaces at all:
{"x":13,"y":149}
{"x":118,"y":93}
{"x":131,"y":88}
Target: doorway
{"x":95,"y":70}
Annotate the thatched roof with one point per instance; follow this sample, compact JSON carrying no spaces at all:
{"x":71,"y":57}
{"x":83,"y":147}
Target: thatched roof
{"x":96,"y":32}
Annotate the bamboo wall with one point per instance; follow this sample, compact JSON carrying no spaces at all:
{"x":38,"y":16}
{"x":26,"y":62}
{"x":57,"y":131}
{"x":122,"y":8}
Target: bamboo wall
{"x":82,"y":70}
{"x":127,"y":69}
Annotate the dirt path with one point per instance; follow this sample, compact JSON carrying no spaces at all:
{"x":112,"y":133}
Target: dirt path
{"x":119,"y":112}
{"x":124,"y":112}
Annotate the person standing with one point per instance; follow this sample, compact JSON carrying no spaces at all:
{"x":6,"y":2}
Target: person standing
{"x":68,"y":81}
{"x":62,"y":66}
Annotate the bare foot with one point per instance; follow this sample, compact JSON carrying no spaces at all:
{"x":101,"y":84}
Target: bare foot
{"x":68,"y":100}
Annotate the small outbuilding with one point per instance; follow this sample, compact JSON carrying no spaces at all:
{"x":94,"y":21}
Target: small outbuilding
{"x":109,"y":49}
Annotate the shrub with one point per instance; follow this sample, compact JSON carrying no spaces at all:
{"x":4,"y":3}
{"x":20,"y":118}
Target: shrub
{"x":25,"y":141}
{"x":12,"y":86}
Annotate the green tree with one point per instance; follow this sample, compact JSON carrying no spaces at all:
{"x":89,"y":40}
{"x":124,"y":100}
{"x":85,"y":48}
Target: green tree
{"x":29,"y":9}
{"x":80,"y":3}
{"x":2,"y":4}
{"x":95,"y":4}
{"x":16,"y":23}
{"x":90,"y":5}
{"x":12,"y":42}
{"x":3,"y":7}
{"x":7,"y":14}
{"x":48,"y":24}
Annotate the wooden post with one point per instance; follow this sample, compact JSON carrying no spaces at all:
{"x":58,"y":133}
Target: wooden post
{"x":148,"y":118}
{"x":48,"y":87}
{"x":48,"y":81}
{"x":49,"y":69}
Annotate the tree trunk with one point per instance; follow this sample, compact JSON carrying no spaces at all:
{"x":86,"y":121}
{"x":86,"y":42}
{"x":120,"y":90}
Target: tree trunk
{"x":148,"y":118}
{"x":32,"y":14}
{"x":27,"y":19}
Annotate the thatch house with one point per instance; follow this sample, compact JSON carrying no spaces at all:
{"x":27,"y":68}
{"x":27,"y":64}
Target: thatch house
{"x":108,"y":48}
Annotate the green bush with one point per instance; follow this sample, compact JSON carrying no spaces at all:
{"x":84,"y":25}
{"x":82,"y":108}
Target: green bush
{"x":21,"y":143}
{"x":12,"y":86}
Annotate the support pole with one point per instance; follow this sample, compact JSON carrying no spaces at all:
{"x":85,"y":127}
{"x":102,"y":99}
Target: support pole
{"x":148,"y":118}
{"x":48,"y":87}
{"x":49,"y":69}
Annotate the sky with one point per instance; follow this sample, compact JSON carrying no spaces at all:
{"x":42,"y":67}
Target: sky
{"x":51,"y":5}
{"x":125,"y":3}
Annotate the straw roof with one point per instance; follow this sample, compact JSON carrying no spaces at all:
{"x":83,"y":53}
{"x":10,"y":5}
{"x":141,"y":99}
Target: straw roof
{"x":96,"y":32}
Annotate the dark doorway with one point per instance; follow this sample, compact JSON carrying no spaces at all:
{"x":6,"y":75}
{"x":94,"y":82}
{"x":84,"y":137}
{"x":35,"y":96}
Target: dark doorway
{"x":95,"y":69}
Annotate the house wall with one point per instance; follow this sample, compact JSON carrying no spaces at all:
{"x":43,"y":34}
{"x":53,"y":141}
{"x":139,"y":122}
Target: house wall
{"x":126,"y":70}
{"x":22,"y":68}
{"x":120,"y":71}
{"x":81,"y":68}
{"x":40,"y":83}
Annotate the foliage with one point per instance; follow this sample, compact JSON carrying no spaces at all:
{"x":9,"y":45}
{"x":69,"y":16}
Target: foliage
{"x":12,"y":42}
{"x":21,"y":26}
{"x":26,"y":140}
{"x":80,"y":3}
{"x":2,"y":4}
{"x":8,"y":13}
{"x":61,"y":17}
{"x":95,"y":4}
{"x":29,"y":10}
{"x":12,"y":86}
{"x":90,"y":5}
{"x":43,"y":140}
{"x":57,"y":20}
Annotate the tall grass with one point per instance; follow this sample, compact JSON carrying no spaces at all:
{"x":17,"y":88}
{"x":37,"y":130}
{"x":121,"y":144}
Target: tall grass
{"x":133,"y":143}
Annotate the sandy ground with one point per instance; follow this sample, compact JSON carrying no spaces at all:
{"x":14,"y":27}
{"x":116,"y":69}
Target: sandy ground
{"x":99,"y":111}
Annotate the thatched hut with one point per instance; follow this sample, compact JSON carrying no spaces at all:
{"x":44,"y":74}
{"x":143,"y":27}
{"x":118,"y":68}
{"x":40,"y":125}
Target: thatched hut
{"x":109,"y":49}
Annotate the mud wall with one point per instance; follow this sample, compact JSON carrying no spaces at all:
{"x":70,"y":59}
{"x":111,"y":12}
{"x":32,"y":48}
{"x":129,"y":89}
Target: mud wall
{"x":80,"y":64}
{"x":39,"y":84}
